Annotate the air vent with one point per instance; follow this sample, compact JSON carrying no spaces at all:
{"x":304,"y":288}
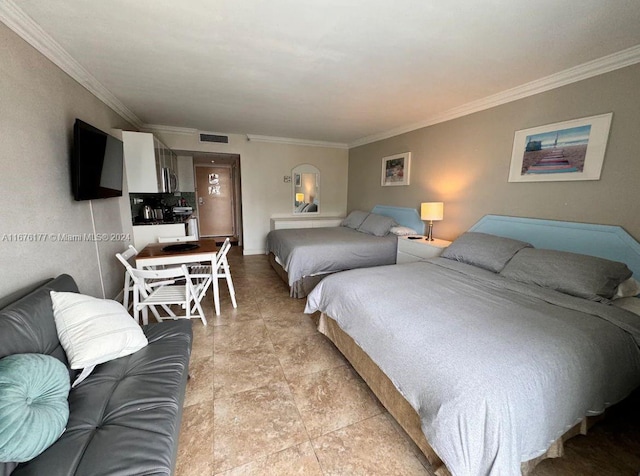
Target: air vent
{"x":214,"y":138}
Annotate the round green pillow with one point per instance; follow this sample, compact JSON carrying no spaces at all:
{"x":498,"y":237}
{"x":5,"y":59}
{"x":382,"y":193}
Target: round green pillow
{"x":33,"y":405}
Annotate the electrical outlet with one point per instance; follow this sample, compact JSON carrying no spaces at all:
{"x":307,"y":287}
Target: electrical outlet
{"x":287,"y":179}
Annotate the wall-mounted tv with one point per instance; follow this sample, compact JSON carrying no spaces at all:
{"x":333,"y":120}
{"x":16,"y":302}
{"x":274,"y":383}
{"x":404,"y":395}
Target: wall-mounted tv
{"x":96,"y":163}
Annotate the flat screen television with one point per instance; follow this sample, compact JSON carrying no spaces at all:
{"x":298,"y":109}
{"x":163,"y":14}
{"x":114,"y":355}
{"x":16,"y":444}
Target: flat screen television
{"x":96,"y":163}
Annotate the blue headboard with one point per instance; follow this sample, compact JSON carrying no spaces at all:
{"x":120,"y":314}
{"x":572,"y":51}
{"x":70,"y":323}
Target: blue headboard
{"x":604,"y":241}
{"x":402,"y":215}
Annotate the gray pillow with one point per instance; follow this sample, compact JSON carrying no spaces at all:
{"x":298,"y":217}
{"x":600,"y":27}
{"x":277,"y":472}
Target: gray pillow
{"x":355,"y":219}
{"x":377,"y":225}
{"x":484,"y":251}
{"x":579,"y":275}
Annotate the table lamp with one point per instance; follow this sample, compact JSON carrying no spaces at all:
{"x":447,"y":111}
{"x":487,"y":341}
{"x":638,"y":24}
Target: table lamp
{"x":299,"y":197}
{"x":431,"y":211}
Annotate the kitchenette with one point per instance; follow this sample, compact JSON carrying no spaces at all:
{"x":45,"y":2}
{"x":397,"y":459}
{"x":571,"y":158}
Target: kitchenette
{"x":161,"y":190}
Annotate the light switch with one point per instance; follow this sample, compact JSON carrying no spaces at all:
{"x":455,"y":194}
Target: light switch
{"x":287,"y":179}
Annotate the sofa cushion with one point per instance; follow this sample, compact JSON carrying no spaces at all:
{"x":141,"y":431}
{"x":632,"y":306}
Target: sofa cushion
{"x":27,"y":325}
{"x":33,"y":405}
{"x":130,"y":407}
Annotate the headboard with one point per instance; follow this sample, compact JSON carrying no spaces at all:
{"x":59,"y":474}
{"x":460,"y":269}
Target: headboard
{"x":604,"y":241}
{"x":402,"y":215}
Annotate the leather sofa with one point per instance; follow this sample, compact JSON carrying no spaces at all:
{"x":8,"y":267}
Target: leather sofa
{"x":125,"y":417}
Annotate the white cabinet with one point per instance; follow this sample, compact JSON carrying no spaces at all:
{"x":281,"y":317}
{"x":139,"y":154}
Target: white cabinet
{"x":145,"y":156}
{"x":315,"y":222}
{"x":145,"y":234}
{"x":415,"y":250}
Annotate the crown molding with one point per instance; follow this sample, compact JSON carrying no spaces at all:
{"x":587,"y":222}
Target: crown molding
{"x":159,"y":128}
{"x":587,"y":70}
{"x":25,"y":27}
{"x":286,"y":140}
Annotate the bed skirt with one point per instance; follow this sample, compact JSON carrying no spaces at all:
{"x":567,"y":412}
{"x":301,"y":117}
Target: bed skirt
{"x":302,"y":287}
{"x":404,"y":413}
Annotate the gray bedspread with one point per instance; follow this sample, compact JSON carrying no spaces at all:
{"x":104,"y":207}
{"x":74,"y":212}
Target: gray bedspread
{"x":497,"y":370}
{"x":310,"y":251}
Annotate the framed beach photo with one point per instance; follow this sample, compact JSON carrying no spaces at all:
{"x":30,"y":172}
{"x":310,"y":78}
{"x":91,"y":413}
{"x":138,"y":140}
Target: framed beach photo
{"x":396,"y":169}
{"x":564,"y":151}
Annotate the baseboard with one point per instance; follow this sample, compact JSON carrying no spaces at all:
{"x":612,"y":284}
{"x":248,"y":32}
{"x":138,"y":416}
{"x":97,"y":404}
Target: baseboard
{"x":246,"y":251}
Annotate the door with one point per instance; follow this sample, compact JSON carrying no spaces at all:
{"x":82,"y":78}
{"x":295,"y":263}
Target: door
{"x":214,"y":194}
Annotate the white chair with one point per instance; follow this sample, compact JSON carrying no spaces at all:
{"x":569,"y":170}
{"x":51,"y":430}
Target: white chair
{"x":161,"y":287}
{"x":198,"y":270}
{"x":176,"y":239}
{"x":124,"y":257}
{"x":222,"y":271}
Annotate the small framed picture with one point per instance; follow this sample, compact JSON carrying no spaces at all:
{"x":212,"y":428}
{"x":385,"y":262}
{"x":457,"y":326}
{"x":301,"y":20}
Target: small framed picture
{"x":296,"y":178}
{"x":564,"y":151}
{"x":396,"y":169}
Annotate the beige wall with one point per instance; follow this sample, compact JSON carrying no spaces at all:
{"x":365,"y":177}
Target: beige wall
{"x":465,"y":162}
{"x":39,"y":106}
{"x":263,"y":167}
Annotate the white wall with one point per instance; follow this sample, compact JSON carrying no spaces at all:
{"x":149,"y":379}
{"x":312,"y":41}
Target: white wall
{"x":39,"y":106}
{"x":263,"y":167}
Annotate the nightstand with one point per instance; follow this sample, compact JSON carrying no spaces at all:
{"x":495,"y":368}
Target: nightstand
{"x":416,"y":250}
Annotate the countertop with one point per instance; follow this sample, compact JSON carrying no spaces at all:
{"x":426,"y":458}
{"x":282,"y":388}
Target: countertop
{"x":174,"y":221}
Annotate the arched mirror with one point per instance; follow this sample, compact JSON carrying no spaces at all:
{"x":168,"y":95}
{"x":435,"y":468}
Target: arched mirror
{"x":306,"y":189}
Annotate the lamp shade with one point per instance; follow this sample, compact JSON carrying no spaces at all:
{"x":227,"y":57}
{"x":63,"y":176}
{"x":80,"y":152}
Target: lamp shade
{"x":432,"y":211}
{"x":299,"y":197}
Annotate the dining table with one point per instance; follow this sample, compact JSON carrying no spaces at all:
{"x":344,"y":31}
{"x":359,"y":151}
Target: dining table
{"x":164,"y":254}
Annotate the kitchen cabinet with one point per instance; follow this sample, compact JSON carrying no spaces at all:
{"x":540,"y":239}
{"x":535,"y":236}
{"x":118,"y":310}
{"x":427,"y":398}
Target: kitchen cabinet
{"x":145,"y":157}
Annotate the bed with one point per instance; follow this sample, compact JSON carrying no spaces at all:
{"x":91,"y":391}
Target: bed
{"x":485,"y":358}
{"x":302,"y":257}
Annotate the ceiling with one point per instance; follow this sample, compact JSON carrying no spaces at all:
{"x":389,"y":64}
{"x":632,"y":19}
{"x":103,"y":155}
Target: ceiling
{"x":340,"y":71}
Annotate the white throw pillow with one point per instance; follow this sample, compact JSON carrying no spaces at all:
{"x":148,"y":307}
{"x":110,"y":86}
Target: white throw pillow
{"x":403,"y":230}
{"x":93,"y":331}
{"x":627,"y":288}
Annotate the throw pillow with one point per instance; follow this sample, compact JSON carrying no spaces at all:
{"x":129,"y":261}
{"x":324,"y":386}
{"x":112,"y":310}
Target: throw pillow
{"x":354,"y":219}
{"x":93,"y":331}
{"x":33,"y":405}
{"x":378,"y":225}
{"x":483,"y":250}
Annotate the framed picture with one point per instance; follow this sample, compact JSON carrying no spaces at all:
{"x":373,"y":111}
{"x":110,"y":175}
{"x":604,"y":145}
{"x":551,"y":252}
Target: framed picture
{"x":297,"y":180}
{"x":564,"y":151}
{"x":396,"y":169}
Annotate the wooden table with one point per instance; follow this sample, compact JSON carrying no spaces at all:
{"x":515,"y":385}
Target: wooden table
{"x":154,"y":255}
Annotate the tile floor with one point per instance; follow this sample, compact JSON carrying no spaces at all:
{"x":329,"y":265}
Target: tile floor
{"x":270,"y":395}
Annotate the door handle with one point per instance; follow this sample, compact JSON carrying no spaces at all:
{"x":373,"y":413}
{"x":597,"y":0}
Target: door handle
{"x":200,"y":201}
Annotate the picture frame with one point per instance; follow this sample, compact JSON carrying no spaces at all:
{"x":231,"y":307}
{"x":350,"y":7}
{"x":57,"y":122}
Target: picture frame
{"x":297,"y":180}
{"x":563,"y":151}
{"x":396,"y":170}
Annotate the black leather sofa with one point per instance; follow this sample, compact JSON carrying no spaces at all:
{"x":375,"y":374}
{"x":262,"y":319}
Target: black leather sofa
{"x":125,"y":417}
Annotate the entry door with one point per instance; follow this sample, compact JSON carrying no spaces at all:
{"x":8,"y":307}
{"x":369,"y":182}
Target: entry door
{"x":214,"y":193}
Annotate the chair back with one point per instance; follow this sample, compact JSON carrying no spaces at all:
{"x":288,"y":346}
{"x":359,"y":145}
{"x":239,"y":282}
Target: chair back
{"x":221,"y":257}
{"x":126,"y":255}
{"x":176,"y":239}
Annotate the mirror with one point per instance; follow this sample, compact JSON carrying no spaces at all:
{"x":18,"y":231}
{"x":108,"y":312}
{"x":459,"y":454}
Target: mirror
{"x":306,"y":189}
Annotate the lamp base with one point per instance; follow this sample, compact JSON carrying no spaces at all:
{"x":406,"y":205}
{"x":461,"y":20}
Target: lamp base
{"x":430,"y":233}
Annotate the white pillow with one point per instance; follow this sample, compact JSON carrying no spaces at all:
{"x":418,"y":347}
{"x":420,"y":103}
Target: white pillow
{"x":627,"y":288}
{"x":403,"y":230}
{"x":93,"y":331}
